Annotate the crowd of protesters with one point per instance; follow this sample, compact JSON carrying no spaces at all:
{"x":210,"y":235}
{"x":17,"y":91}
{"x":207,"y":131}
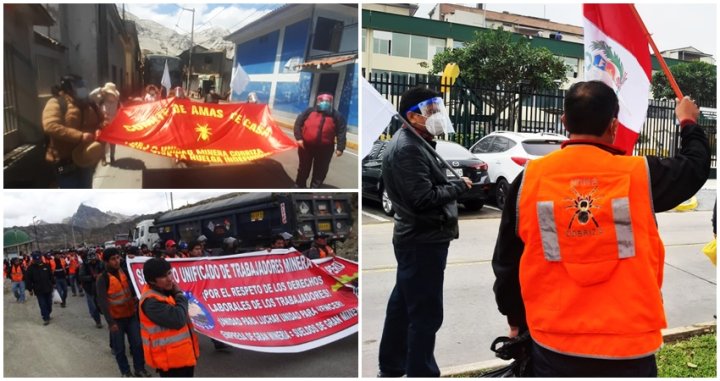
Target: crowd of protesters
{"x":100,"y":276}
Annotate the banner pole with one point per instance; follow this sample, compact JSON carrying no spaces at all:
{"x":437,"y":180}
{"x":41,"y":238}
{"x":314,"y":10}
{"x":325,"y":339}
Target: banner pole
{"x":660,"y":58}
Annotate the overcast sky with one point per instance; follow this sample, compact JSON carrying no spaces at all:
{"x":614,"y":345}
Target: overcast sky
{"x":672,"y":25}
{"x":228,"y":16}
{"x":21,"y":206}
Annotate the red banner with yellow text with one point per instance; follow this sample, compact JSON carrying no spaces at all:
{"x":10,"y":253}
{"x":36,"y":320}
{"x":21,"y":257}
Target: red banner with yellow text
{"x":204,"y":132}
{"x":268,"y":302}
{"x":344,"y":270}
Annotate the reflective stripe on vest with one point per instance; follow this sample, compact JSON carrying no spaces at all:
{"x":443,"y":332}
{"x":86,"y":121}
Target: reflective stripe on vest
{"x":119,"y":297}
{"x":591,"y":270}
{"x":166,"y":348}
{"x":622,"y":223}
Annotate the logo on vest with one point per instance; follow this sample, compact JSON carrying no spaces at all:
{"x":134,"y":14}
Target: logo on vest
{"x":581,"y":206}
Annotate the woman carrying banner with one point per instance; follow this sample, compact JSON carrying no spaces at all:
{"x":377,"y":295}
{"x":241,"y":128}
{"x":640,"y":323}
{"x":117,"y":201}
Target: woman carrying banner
{"x":169,"y":343}
{"x":108,"y":99}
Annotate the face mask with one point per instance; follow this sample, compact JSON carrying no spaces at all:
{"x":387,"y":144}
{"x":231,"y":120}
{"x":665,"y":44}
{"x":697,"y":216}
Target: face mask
{"x":324,"y":106}
{"x":437,"y":124}
{"x":81,"y":93}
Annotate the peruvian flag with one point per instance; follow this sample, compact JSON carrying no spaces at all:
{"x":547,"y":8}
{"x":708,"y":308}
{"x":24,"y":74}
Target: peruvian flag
{"x":617,"y":53}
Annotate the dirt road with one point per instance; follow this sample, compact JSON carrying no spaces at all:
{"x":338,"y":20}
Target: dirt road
{"x":71,"y":346}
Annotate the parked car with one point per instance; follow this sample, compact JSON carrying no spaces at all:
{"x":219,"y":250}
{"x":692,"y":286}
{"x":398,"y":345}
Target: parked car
{"x":455,"y":154}
{"x":507,"y":152}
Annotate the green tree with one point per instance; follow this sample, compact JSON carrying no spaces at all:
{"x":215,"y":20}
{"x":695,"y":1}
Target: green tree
{"x":500,"y":60}
{"x":696,"y":79}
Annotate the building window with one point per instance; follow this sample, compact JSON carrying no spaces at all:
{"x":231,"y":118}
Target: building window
{"x":419,"y":47}
{"x":400,"y":46}
{"x":328,"y":34}
{"x":381,"y":42}
{"x":458,"y":44}
{"x":435,"y":46}
{"x":364,"y":39}
{"x":572,"y":66}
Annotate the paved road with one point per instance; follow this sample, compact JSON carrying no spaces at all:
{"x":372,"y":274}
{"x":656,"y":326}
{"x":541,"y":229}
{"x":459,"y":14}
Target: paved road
{"x":471,"y":317}
{"x":71,"y":346}
{"x":277,"y":171}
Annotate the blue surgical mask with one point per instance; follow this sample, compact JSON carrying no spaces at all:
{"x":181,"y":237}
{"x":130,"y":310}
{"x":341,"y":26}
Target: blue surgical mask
{"x":324,"y":106}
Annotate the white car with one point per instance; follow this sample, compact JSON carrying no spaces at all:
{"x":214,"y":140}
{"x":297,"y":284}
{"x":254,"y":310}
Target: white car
{"x":506,"y":153}
{"x":109,"y":244}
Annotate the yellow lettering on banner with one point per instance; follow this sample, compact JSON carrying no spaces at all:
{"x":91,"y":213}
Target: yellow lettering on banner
{"x":206,"y":111}
{"x":149,"y":122}
{"x":179,"y":109}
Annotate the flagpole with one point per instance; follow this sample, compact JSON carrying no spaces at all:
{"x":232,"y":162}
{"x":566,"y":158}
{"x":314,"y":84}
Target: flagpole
{"x":660,"y":58}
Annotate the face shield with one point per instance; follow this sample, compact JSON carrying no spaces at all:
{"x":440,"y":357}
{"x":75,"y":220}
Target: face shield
{"x":324,"y":102}
{"x":437,"y":120}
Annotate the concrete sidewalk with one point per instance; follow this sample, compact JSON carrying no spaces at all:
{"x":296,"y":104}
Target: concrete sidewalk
{"x":670,"y":335}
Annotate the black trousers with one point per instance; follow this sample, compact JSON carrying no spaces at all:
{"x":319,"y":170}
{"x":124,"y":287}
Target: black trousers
{"x":547,"y":363}
{"x":414,"y":312}
{"x":187,"y":371}
{"x":317,"y":158}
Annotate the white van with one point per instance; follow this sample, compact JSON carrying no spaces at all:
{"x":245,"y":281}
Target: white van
{"x":145,"y":233}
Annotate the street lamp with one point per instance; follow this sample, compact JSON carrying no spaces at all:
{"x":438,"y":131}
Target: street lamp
{"x":37,"y":240}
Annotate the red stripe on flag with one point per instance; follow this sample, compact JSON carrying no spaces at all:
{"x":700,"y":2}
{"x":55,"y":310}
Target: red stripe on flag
{"x":618,"y":22}
{"x":625,"y":138}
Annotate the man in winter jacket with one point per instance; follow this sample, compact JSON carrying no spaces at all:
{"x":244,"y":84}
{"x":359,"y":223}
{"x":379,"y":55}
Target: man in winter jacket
{"x":39,"y":281}
{"x":316,"y":130}
{"x":425,"y":223}
{"x":70,"y":120}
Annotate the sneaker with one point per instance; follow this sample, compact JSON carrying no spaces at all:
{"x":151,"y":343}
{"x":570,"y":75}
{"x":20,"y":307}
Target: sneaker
{"x":142,"y":373}
{"x":128,"y":374}
{"x":46,"y":322}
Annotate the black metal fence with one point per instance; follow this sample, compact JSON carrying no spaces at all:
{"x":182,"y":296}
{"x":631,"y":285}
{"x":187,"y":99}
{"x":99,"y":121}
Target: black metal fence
{"x":477,"y":111}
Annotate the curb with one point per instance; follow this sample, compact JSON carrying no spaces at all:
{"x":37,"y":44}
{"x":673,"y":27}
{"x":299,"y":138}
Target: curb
{"x":670,"y":335}
{"x":348,"y":144}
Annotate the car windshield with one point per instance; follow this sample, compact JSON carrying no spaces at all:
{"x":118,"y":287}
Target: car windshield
{"x":541,"y":147}
{"x":448,"y":150}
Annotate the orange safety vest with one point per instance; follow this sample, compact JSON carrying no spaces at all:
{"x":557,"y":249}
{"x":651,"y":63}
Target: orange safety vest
{"x":16,"y":273}
{"x":327,"y":252}
{"x":119,"y":296}
{"x":73,"y":266}
{"x":166,"y":348}
{"x":592,"y":267}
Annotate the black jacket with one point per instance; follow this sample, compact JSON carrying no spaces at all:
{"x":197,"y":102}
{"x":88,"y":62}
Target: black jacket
{"x":672,"y":180}
{"x":423,"y":199}
{"x":39,"y":278}
{"x":87,"y":275}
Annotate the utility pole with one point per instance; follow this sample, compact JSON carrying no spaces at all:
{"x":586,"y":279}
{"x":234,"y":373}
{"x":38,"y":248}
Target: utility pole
{"x":172,"y":205}
{"x":37,"y":240}
{"x":192,"y":34}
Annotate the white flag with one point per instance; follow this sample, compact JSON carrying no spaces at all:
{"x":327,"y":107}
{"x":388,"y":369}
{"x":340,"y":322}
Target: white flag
{"x":377,"y":112}
{"x":239,"y":81}
{"x":165,"y":81}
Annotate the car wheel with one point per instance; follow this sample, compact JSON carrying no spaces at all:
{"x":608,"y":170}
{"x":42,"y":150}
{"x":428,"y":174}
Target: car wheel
{"x":387,"y":203}
{"x":501,"y":190}
{"x":473,"y":205}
